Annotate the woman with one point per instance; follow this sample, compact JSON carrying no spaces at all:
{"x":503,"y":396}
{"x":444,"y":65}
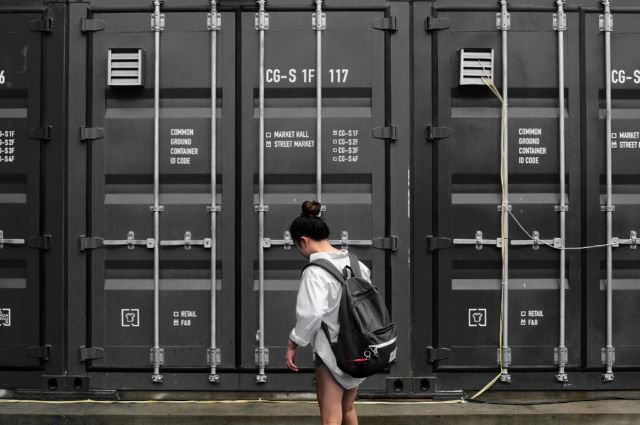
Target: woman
{"x":318,"y":301}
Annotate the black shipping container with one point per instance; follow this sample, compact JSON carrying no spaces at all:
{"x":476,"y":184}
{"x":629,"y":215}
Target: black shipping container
{"x":457,"y":147}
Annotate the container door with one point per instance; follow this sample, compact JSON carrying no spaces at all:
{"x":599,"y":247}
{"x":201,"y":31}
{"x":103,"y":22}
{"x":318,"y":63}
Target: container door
{"x":21,"y":202}
{"x":625,"y":139}
{"x":467,"y":194}
{"x":352,"y":160}
{"x":121,"y":172}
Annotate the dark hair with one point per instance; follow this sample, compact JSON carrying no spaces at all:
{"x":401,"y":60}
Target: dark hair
{"x":309,"y":223}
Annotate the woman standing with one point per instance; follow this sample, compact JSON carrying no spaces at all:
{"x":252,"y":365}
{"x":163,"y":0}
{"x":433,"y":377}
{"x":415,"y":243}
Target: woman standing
{"x":318,"y":301}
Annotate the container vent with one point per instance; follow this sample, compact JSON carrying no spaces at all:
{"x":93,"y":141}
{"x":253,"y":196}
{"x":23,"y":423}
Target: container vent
{"x":475,"y":64}
{"x":125,"y":67}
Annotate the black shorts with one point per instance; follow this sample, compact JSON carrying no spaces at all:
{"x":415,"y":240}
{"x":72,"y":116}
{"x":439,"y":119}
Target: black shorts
{"x":318,"y":361}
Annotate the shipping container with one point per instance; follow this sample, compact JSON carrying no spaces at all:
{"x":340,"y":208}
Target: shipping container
{"x":31,"y":190}
{"x":478,"y":156}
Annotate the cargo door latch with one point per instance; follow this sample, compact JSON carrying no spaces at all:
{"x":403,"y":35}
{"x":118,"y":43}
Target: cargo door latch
{"x":91,"y":133}
{"x":92,"y":25}
{"x":42,"y":25}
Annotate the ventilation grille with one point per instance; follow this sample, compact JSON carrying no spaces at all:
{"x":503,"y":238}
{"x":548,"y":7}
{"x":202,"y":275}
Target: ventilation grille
{"x":125,"y":67}
{"x":475,"y":64}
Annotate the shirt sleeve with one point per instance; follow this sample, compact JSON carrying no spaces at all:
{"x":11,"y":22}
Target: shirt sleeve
{"x":311,"y":306}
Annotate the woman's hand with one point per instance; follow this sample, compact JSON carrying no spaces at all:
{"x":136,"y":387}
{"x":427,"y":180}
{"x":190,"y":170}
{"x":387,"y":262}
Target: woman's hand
{"x":290,"y":357}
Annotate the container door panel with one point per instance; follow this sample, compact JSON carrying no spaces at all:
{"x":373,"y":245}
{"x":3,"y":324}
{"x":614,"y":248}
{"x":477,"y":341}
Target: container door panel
{"x":625,"y":137}
{"x":353,"y":162}
{"x":122,"y":191}
{"x":468,"y":191}
{"x":20,"y":190}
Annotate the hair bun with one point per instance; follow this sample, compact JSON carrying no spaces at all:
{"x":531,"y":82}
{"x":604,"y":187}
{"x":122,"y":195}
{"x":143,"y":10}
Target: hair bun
{"x":311,"y":208}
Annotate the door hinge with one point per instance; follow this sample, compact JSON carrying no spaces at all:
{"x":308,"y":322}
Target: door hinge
{"x":434,"y":243}
{"x":433,"y":133}
{"x":386,"y":133}
{"x":42,"y":25}
{"x":39,"y":242}
{"x":437,"y":354}
{"x":91,"y":353}
{"x":41,"y":133}
{"x":389,"y":23}
{"x":433,"y":23}
{"x":387,"y":244}
{"x":88,"y":242}
{"x":92,"y":25}
{"x":91,"y":133}
{"x":40,"y":352}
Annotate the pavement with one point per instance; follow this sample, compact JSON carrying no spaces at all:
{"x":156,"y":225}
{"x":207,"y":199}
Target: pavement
{"x":604,"y":408}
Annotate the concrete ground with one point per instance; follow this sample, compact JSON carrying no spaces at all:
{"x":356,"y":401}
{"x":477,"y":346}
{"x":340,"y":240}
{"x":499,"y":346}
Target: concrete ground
{"x":302,"y":412}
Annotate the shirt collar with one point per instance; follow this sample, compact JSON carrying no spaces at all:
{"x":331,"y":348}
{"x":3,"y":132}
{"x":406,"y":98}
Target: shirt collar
{"x":329,"y":255}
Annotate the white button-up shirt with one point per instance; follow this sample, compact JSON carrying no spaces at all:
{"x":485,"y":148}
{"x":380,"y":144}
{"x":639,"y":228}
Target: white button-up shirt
{"x":318,"y":301}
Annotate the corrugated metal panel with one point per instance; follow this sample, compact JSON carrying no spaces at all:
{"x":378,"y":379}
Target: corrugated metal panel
{"x":20,"y":196}
{"x":121,"y":169}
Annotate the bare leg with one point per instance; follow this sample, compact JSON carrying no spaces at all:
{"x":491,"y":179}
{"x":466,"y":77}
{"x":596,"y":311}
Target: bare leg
{"x":336,"y":404}
{"x":349,"y":416}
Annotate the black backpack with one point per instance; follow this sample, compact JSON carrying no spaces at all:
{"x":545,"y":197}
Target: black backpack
{"x":367,"y":338}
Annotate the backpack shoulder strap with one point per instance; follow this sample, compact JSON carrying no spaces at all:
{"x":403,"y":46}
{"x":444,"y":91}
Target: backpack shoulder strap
{"x":328,"y":267}
{"x":355,"y":265}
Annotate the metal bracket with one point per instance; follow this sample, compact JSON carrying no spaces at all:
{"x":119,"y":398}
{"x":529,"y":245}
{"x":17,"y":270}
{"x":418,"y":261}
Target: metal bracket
{"x":319,"y":21}
{"x":42,"y":352}
{"x":156,"y":356}
{"x":214,"y":208}
{"x":605,"y":22}
{"x":509,"y":207}
{"x":92,"y":25}
{"x":41,"y":133}
{"x":131,"y":242}
{"x":159,"y":208}
{"x":560,"y":21}
{"x":632,"y":241}
{"x":433,"y":23}
{"x":434,"y":243}
{"x":561,"y":208}
{"x":387,"y":244}
{"x":437,"y":354}
{"x":605,"y":208}
{"x":389,"y":23}
{"x":503,"y":21}
{"x":262,"y":21}
{"x":259,"y":208}
{"x":608,"y":356}
{"x":214,"y":21}
{"x":91,"y":353}
{"x":479,"y":241}
{"x":157,"y":24}
{"x":385,"y":133}
{"x":536,"y":241}
{"x":433,"y":133}
{"x":506,"y":357}
{"x":4,"y":241}
{"x":286,"y":241}
{"x":187,"y":242}
{"x":39,"y":242}
{"x":42,"y":25}
{"x":561,"y":356}
{"x":213,"y":357}
{"x":262,"y":357}
{"x":91,"y":133}
{"x":345,"y":242}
